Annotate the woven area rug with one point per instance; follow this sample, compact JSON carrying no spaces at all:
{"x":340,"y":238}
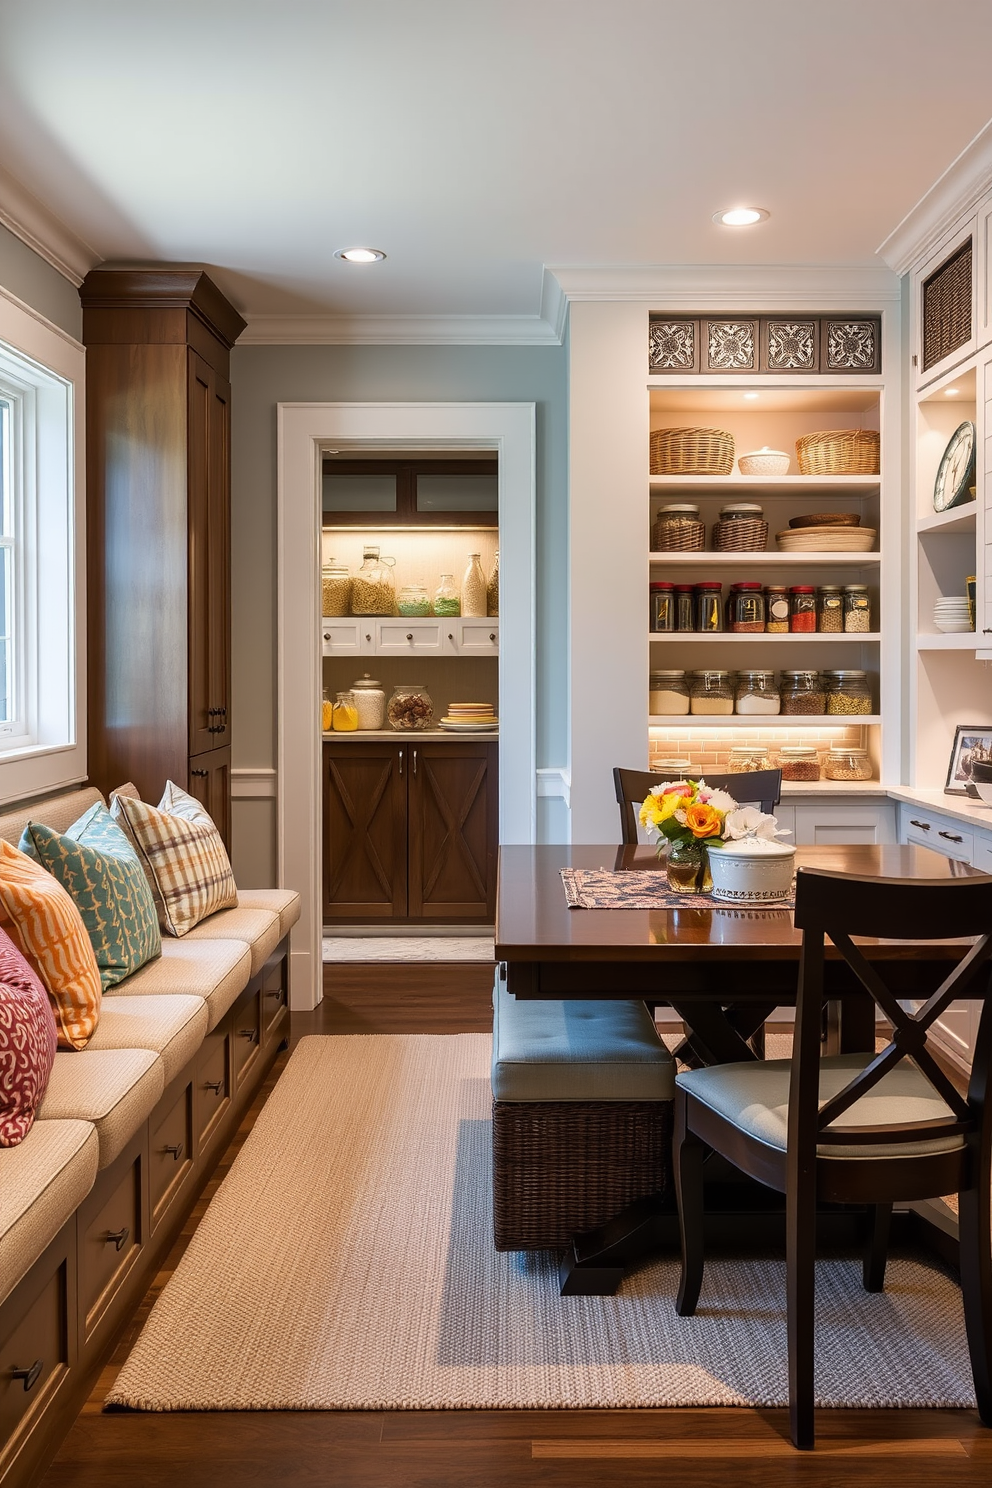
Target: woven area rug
{"x":346,"y":1262}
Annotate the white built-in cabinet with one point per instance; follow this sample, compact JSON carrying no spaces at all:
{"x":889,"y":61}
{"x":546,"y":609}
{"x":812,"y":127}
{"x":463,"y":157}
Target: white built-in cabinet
{"x":400,"y":636}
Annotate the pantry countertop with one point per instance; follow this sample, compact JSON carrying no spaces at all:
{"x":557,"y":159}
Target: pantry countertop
{"x":397,"y":735}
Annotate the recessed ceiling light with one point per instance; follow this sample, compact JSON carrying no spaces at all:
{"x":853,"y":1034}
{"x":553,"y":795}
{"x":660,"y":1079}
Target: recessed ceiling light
{"x":752,"y":395}
{"x":950,"y":392}
{"x":360,"y":255}
{"x":740,"y":216}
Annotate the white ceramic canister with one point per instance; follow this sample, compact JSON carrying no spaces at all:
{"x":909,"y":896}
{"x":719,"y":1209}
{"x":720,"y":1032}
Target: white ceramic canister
{"x":752,"y":870}
{"x":370,"y":701}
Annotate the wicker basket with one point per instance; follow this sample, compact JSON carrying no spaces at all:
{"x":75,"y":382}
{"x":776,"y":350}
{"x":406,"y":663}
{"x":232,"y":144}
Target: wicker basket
{"x":839,"y":452}
{"x":692,"y":452}
{"x":680,"y":535}
{"x":742,"y":535}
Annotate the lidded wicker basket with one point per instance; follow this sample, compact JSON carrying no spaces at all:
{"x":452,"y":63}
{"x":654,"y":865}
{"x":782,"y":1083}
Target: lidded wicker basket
{"x":839,"y":452}
{"x":677,"y":529}
{"x":692,"y":452}
{"x":741,"y":529}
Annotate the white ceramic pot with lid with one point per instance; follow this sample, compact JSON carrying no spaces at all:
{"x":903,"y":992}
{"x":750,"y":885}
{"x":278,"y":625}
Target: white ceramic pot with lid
{"x":751,"y":870}
{"x":764,"y":461}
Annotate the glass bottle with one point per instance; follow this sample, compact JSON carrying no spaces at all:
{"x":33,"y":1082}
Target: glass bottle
{"x":474,"y":587}
{"x":669,"y":693}
{"x":492,"y":589}
{"x":709,"y":617}
{"x":372,"y":589}
{"x":662,"y":612}
{"x":326,"y":713}
{"x":446,"y":600}
{"x":848,"y":692}
{"x":755,"y":693}
{"x":829,"y":608}
{"x":345,"y":717}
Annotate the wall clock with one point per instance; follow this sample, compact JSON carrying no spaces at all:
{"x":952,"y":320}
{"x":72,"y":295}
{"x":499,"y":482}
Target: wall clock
{"x":956,"y":471}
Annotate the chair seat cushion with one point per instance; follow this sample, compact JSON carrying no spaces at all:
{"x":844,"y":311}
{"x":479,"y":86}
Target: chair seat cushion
{"x":283,"y":902}
{"x":259,"y":929}
{"x":214,"y":970}
{"x":115,"y":1089}
{"x":755,"y":1098}
{"x":171,"y":1027}
{"x":577,"y":1051}
{"x":42,"y":1180}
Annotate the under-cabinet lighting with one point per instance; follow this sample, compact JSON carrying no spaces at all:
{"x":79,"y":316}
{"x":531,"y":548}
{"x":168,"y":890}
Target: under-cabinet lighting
{"x":740,"y":216}
{"x":752,"y":395}
{"x":360,"y":255}
{"x":951,"y":392}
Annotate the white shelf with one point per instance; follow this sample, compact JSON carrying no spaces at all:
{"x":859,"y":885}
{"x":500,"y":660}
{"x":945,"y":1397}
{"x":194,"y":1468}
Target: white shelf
{"x":764,"y":637}
{"x":966,"y":640}
{"x":748,"y":721}
{"x":852,"y":560}
{"x":958,"y":519}
{"x":770,"y":485}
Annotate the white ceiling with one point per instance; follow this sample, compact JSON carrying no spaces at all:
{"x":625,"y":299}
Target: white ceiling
{"x":478,"y":140}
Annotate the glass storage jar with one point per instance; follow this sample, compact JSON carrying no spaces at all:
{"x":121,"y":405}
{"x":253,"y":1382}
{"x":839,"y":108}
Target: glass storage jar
{"x":848,"y":692}
{"x":662,"y":609}
{"x":802,"y":693}
{"x":829,"y":609}
{"x":776,"y":609}
{"x":372,"y":589}
{"x":326,"y":713}
{"x":370,"y":701}
{"x":708,"y":606}
{"x":755,"y":693}
{"x":802,"y":608}
{"x":685,"y":617}
{"x":746,"y":757}
{"x":799,"y":762}
{"x":857,"y":609}
{"x":669,"y":694}
{"x":844,"y":762}
{"x":410,"y":707}
{"x":747,"y":608}
{"x":413,"y":600}
{"x":473,"y":595}
{"x":675,"y":767}
{"x":492,"y":589}
{"x":711,"y":692}
{"x":677,"y":529}
{"x":335,"y":590}
{"x":447,"y":600}
{"x":344,"y":719}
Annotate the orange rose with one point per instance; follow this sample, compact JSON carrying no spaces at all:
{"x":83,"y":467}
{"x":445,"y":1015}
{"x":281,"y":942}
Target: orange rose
{"x":702,"y":820}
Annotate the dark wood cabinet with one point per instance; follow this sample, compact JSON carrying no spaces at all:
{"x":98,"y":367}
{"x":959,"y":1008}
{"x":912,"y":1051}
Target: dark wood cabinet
{"x":410,"y":831}
{"x":158,"y":531}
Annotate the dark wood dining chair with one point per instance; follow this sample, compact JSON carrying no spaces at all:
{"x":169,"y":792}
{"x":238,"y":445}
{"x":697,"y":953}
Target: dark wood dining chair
{"x":761,"y":788}
{"x":857,"y":1129}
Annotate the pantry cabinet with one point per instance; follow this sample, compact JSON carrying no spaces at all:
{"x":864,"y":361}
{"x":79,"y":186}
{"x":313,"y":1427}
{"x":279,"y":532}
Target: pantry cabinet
{"x":410,"y":830}
{"x":400,"y":636}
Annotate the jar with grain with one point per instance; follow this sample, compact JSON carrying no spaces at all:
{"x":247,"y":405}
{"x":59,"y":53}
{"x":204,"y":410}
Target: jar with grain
{"x":802,"y":693}
{"x":755,"y":693}
{"x":446,"y":598}
{"x":776,"y":609}
{"x":473,"y":595}
{"x":410,"y":707}
{"x":661,"y":609}
{"x":802,"y":608}
{"x":492,"y":589}
{"x":829,"y":608}
{"x":712,"y":693}
{"x":745,"y":758}
{"x":848,"y":692}
{"x":372,"y":589}
{"x":669,"y":694}
{"x":413,"y":600}
{"x":846,"y":763}
{"x":676,"y":767}
{"x":799,"y":762}
{"x":857,"y":609}
{"x":708,"y":606}
{"x":335,"y":590}
{"x":370,"y":702}
{"x":685,"y":617}
{"x":747,"y":608}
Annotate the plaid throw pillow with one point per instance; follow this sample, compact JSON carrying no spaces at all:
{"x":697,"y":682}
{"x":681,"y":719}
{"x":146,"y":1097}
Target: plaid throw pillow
{"x":183,"y":855}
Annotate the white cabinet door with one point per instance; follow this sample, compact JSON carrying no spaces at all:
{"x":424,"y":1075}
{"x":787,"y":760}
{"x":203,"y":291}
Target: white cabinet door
{"x":346,"y":637}
{"x":839,"y":821}
{"x":400,"y":636}
{"x":472,"y":637}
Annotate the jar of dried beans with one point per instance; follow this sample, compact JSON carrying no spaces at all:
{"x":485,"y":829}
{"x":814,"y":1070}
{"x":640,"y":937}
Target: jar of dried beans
{"x":848,"y":692}
{"x":799,"y":762}
{"x":857,"y":609}
{"x":802,"y":608}
{"x":846,"y":763}
{"x":829,"y":608}
{"x":802,"y":693}
{"x":746,"y":757}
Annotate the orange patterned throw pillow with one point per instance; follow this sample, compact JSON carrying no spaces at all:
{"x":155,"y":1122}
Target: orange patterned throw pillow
{"x":48,"y":930}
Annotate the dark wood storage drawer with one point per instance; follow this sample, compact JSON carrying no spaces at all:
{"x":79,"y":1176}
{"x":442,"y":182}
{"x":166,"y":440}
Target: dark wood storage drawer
{"x":110,"y":1226}
{"x":214,"y":1084}
{"x":170,"y":1148}
{"x":274,"y":998}
{"x":246,"y":1033}
{"x":37,"y":1342}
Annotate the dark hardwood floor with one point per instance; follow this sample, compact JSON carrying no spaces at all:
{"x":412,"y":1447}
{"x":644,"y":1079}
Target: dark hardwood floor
{"x":486,"y":1449}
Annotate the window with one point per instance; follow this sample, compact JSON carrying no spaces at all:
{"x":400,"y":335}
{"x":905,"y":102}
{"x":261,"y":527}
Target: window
{"x":42,"y":745}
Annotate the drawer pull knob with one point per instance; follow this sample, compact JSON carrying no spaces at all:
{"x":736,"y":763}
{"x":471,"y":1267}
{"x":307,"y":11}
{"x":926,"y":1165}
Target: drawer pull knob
{"x":409,"y":635}
{"x":923,"y":826}
{"x":275,"y":992}
{"x":492,"y":635}
{"x":215,"y":1085}
{"x":450,"y":636}
{"x":119,"y":1237}
{"x":251,"y":1034}
{"x":29,"y":1376}
{"x":951,"y":836}
{"x":176,"y":1149}
{"x":199,"y":773}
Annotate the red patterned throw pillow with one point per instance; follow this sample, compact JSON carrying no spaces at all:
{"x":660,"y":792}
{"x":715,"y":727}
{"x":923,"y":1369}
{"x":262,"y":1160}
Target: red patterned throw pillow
{"x":28,"y":1038}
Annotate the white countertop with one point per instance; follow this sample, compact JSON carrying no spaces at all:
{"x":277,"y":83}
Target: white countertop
{"x":962,"y":808}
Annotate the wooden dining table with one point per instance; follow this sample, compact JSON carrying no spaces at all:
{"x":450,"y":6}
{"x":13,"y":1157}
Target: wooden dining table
{"x":722,"y":968}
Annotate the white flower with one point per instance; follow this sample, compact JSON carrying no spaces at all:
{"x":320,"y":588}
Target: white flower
{"x":748,"y":821}
{"x":721,"y":800}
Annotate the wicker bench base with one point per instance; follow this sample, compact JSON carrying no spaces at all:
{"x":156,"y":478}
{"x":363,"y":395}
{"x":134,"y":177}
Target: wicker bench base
{"x":560,"y":1167}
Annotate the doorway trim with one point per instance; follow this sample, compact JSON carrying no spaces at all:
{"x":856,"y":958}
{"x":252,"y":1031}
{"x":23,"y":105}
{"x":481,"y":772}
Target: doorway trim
{"x":303,"y":430}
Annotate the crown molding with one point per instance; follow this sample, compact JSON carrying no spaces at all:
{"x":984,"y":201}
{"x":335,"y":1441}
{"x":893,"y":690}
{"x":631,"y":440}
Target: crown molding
{"x":952,"y":195}
{"x":715,"y":286}
{"x":47,"y":235}
{"x":400,"y":330}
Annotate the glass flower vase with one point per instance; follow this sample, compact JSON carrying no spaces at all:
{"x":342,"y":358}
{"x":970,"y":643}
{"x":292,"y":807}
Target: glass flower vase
{"x":688,"y":868}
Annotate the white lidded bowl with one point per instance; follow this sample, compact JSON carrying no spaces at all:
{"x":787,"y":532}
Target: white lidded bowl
{"x":752,"y":870}
{"x":764,"y":462}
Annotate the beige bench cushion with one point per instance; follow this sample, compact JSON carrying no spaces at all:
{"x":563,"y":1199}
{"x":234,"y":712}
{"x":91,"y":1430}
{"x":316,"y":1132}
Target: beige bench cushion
{"x":214,"y":970}
{"x":115,"y":1089}
{"x":172,"y":1027}
{"x":283,"y":902}
{"x":58,"y":812}
{"x":259,"y":929}
{"x":42,"y":1180}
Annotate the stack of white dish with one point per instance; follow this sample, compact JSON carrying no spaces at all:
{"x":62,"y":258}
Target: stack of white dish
{"x":952,"y":615}
{"x":470,"y":718}
{"x":826,"y":539}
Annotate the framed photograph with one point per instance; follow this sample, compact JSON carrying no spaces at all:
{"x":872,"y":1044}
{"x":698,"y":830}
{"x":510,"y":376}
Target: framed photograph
{"x":970,"y":743}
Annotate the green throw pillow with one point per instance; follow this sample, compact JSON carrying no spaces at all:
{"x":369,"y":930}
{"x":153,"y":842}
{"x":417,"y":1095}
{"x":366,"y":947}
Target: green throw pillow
{"x":100,"y":870}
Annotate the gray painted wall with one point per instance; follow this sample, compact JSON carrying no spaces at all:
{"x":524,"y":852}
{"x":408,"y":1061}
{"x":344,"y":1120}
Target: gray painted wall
{"x":262,"y":377}
{"x":34,"y":281}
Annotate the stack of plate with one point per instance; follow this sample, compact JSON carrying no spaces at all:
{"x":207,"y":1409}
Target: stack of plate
{"x":470,"y":718}
{"x":826,"y":539}
{"x":952,"y":615}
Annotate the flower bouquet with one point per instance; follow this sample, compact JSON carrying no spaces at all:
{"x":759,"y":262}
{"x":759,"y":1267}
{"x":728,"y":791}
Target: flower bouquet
{"x":689,"y":817}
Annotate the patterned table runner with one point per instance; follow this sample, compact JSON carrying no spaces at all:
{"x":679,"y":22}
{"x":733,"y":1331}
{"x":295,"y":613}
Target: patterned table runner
{"x":607,"y":888}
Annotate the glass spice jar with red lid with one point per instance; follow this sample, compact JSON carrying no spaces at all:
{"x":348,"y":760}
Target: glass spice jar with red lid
{"x":802,"y":608}
{"x":709,"y":607}
{"x":746,"y":605}
{"x":662,"y":610}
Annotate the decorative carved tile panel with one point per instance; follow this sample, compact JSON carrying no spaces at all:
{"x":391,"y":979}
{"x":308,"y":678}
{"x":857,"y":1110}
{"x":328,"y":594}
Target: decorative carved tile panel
{"x":731,"y":346}
{"x":791,"y":345}
{"x":852,"y":346}
{"x":788,"y":343}
{"x":672,"y":346}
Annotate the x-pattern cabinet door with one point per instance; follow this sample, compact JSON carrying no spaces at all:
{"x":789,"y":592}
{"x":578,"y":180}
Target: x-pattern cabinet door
{"x":365,"y":832}
{"x":453,"y":832}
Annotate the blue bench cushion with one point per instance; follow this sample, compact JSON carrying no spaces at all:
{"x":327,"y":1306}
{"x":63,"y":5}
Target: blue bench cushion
{"x":577,"y":1051}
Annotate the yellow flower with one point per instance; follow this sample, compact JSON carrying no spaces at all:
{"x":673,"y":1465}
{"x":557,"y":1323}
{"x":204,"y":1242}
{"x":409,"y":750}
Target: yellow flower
{"x":703,"y":820}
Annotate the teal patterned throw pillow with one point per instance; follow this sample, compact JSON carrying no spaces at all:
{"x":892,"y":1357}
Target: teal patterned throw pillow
{"x":99,"y":869}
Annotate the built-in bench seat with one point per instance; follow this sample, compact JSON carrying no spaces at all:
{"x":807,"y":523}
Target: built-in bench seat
{"x":215,"y":971}
{"x":115,"y":1090}
{"x":42,"y":1182}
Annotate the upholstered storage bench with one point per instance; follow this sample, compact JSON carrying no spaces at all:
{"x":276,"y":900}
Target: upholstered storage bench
{"x":126,"y":1137}
{"x":583,"y":1097}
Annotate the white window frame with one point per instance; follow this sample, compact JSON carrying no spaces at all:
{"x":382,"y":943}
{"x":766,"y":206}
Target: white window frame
{"x":42,"y":369}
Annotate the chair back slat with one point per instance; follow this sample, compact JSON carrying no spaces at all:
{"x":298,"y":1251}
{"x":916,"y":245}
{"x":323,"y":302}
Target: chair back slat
{"x":894,"y":909}
{"x":761,"y":788}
